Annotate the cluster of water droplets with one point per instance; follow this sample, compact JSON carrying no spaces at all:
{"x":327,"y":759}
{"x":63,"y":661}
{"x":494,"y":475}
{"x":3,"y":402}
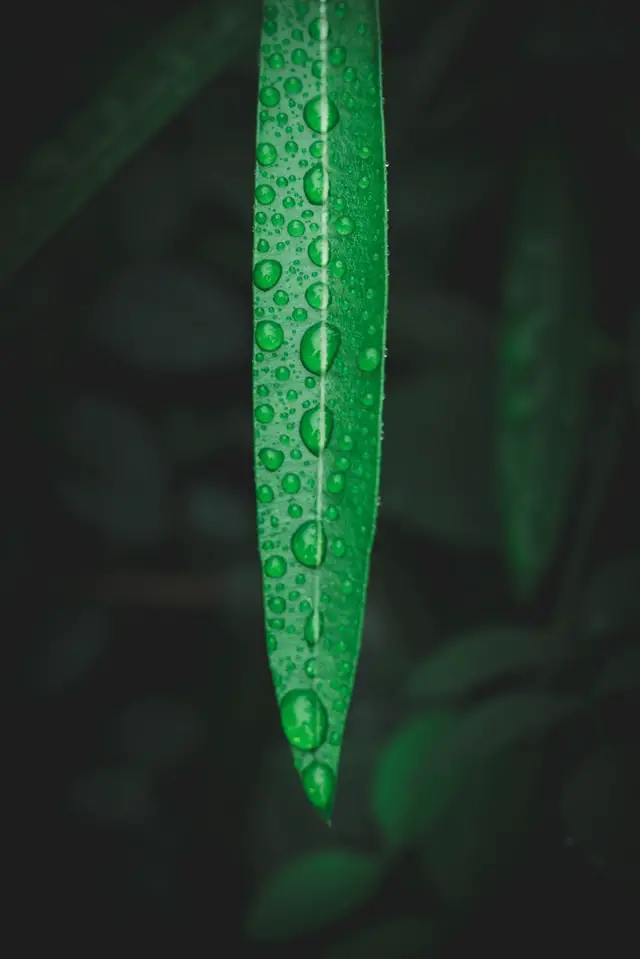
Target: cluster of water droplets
{"x":301,"y":293}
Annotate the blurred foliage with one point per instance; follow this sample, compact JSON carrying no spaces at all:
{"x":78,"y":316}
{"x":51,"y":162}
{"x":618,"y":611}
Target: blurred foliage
{"x":490,"y":782}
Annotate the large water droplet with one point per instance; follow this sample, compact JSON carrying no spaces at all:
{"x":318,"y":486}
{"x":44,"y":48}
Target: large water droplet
{"x":320,"y":114}
{"x":313,"y":628}
{"x":266,"y":274}
{"x":269,"y":335}
{"x":316,"y":427}
{"x":265,"y":194}
{"x":275,"y":567}
{"x":318,"y":295}
{"x":309,"y":544}
{"x":304,"y":719}
{"x":266,"y":154}
{"x":316,"y":184}
{"x":319,"y":251}
{"x":271,"y":459}
{"x":319,"y":28}
{"x":319,"y":347}
{"x":319,"y":784}
{"x":269,"y":96}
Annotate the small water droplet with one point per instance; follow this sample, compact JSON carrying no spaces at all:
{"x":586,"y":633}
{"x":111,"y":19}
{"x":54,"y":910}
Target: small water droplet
{"x":337,"y":56}
{"x":264,"y":494}
{"x":338,"y":547}
{"x":313,"y":628}
{"x":295,"y":228}
{"x":336,"y":482}
{"x":310,"y":668}
{"x":282,"y":373}
{"x":292,"y":85}
{"x":281,"y":298}
{"x":276,"y":604}
{"x":369,"y":359}
{"x":276,"y":61}
{"x":295,"y":511}
{"x":319,"y":251}
{"x":265,"y":194}
{"x":345,"y":225}
{"x":290,"y":483}
{"x":304,"y":719}
{"x":299,"y":56}
{"x":319,"y":29}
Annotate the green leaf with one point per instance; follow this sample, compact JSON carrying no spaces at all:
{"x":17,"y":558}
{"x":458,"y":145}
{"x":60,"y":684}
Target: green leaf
{"x":117,"y":481}
{"x":312,"y":892}
{"x":599,"y":804}
{"x":163,"y":317}
{"x":545,"y":359}
{"x":406,"y":938}
{"x":465,"y":662}
{"x":320,"y":304}
{"x":612,"y":598}
{"x":483,"y":834}
{"x":150,"y":88}
{"x":406,"y":800}
{"x":621,"y":673}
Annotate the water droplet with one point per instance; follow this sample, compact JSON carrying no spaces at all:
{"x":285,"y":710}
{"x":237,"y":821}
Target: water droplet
{"x":319,"y":29}
{"x":281,"y":298}
{"x":290,"y":483}
{"x":337,"y":56}
{"x":282,"y":373}
{"x":275,"y":567}
{"x":310,"y":668}
{"x":269,"y":335}
{"x":277,"y":604}
{"x":343,"y":463}
{"x":319,"y":347}
{"x":270,"y":27}
{"x":261,"y":217}
{"x":321,"y":114}
{"x":345,"y":225}
{"x":300,"y":314}
{"x":313,"y":628}
{"x":266,"y":274}
{"x":364,"y":182}
{"x":299,"y":57}
{"x":271,"y":459}
{"x":347,"y":587}
{"x":292,"y":85}
{"x":318,"y":295}
{"x":319,"y":784}
{"x":263,"y":246}
{"x":309,"y":544}
{"x":316,"y":427}
{"x":338,"y":268}
{"x":304,"y":719}
{"x":336,"y":482}
{"x":264,"y":413}
{"x":265,"y":194}
{"x":349,"y":75}
{"x":316,"y":184}
{"x":369,"y":359}
{"x":272,"y":643}
{"x":264,"y":494}
{"x":277,"y":219}
{"x":266,"y":154}
{"x":338,"y":547}
{"x":276,"y":61}
{"x":269,"y":96}
{"x":295,"y":511}
{"x":319,"y":251}
{"x":295,"y":228}
{"x":332,"y":513}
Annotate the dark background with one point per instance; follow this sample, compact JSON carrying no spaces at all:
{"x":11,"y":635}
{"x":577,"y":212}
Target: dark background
{"x":148,"y":788}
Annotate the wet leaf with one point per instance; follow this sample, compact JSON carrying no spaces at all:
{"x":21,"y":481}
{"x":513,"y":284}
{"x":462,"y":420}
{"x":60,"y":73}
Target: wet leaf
{"x":312,"y":892}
